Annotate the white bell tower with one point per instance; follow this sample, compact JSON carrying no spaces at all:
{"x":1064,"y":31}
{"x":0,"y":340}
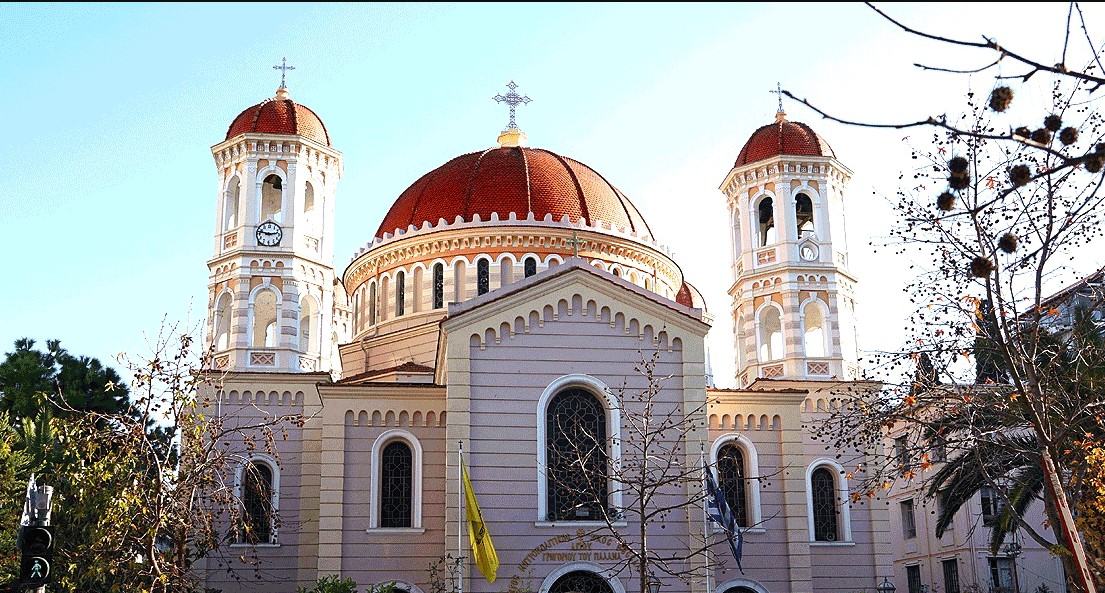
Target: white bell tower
{"x":793,"y":301}
{"x":272,"y":300}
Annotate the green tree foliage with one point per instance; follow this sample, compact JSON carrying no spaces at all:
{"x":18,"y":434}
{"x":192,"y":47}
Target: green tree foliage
{"x":28,"y":375}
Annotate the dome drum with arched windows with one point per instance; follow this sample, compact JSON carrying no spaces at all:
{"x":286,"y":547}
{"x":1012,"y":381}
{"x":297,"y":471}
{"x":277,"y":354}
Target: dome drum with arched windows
{"x":486,"y":219}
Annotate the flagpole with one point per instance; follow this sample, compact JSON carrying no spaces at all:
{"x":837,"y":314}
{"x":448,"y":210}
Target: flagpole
{"x":460,"y":515}
{"x":705,"y":522}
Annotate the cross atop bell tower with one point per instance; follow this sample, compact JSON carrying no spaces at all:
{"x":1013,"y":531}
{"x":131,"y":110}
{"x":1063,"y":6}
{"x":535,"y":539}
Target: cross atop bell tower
{"x":283,"y":68}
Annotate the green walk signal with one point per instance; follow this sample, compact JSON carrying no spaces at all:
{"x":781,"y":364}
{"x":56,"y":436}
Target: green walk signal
{"x":37,"y":545}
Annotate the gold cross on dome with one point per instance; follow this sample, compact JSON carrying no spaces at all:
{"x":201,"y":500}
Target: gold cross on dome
{"x":283,"y":68}
{"x":514,"y":100}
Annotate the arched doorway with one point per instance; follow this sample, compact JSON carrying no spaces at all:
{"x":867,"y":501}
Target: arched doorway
{"x":581,"y":581}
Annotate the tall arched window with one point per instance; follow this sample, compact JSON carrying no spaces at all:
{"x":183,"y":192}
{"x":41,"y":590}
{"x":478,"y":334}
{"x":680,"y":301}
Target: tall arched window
{"x":483,"y":276}
{"x":732,"y":475}
{"x":581,"y":581}
{"x":803,"y":215}
{"x":400,"y":293}
{"x":813,"y":330}
{"x":308,"y":326}
{"x":530,"y":266}
{"x":272,"y":198}
{"x":264,"y":319}
{"x":385,"y":288}
{"x":222,"y":321}
{"x":439,"y":286}
{"x":771,"y":334}
{"x":418,"y":291}
{"x":231,"y":204}
{"x":576,"y":456}
{"x":823,"y":494}
{"x":372,"y":304}
{"x":258,"y":510}
{"x":765,"y":215}
{"x":396,"y":485}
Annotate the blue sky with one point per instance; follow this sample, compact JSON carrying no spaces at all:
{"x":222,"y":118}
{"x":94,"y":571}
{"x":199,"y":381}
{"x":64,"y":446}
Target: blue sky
{"x":108,"y":188}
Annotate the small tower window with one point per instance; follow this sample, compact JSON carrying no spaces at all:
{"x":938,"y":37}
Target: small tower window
{"x":309,"y":199}
{"x":308,"y":327}
{"x":765,"y":214}
{"x":272,"y":196}
{"x":803,"y":214}
{"x":771,"y":334}
{"x":439,"y":286}
{"x":400,"y":293}
{"x":530,"y":266}
{"x":230,"y":208}
{"x":264,"y":319}
{"x":222,"y":322}
{"x":813,"y":318}
{"x":483,"y":276}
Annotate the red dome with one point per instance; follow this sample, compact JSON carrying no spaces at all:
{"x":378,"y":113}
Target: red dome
{"x":513,"y":179}
{"x":783,"y":137}
{"x":280,"y":115}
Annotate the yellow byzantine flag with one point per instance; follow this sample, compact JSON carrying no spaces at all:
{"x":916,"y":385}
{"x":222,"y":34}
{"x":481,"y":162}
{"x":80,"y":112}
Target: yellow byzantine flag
{"x":482,"y":549}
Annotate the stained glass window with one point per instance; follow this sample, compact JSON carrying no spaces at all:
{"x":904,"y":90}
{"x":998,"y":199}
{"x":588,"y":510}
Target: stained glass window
{"x":531,"y":266}
{"x":483,"y":276}
{"x":439,"y":286}
{"x":731,"y":473}
{"x":396,"y":485}
{"x":580,"y":581}
{"x":257,"y":508}
{"x":823,"y":488}
{"x":400,"y":293}
{"x":576,"y":456}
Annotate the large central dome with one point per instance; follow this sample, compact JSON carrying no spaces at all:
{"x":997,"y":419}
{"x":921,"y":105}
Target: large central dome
{"x":513,"y":179}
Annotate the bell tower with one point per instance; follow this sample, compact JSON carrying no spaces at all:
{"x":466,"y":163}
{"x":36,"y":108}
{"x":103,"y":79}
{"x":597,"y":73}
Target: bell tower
{"x":793,"y":301}
{"x":273,"y":301}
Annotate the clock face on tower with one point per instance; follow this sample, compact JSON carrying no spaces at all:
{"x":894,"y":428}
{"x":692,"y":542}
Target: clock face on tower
{"x":269,"y":233}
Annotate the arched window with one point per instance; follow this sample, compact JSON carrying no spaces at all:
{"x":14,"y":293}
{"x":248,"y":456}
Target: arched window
{"x":576,"y":455}
{"x":264,"y":319}
{"x":231,"y":204}
{"x":258,"y":503}
{"x":813,"y":330}
{"x":372,"y":304}
{"x":439,"y":286}
{"x":396,"y":485}
{"x":400,"y":293}
{"x":385,"y":288}
{"x":771,"y":334}
{"x":309,"y":199}
{"x":823,"y":494}
{"x":483,"y":276}
{"x":581,"y":581}
{"x":765,"y":215}
{"x":803,"y":215}
{"x":222,"y":321}
{"x":358,"y":309}
{"x":308,"y":326}
{"x":732,"y":476}
{"x":272,"y":198}
{"x":530,"y":266}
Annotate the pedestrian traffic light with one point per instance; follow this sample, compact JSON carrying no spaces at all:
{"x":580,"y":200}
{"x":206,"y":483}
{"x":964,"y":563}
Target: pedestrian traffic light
{"x":37,"y":545}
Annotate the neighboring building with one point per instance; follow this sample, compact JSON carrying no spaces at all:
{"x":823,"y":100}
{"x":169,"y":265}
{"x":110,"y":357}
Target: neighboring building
{"x":503,"y":303}
{"x":961,"y":560}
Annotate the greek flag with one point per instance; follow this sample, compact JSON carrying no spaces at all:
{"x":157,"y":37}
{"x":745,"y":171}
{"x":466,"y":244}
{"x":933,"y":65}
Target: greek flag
{"x":718,"y":511}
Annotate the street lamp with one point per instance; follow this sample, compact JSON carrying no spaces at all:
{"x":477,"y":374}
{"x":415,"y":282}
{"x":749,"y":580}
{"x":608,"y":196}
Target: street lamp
{"x":885,"y":586}
{"x":653,"y":586}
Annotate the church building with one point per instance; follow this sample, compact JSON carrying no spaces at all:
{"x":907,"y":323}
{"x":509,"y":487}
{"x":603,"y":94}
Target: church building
{"x":504,"y":307}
